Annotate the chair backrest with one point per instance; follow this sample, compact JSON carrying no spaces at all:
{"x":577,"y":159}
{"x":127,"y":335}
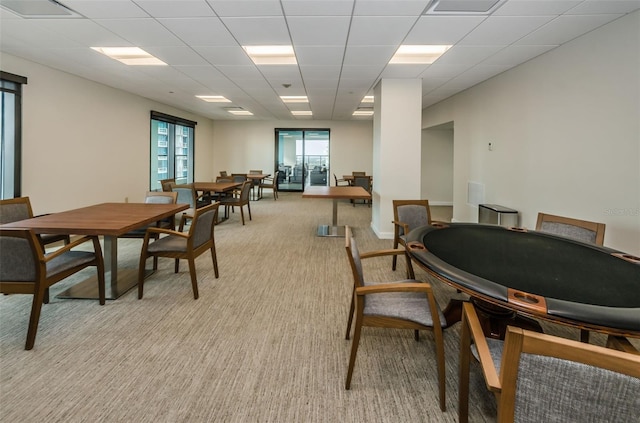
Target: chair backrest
{"x":362,"y":181}
{"x":239,"y":177}
{"x":223,"y":173}
{"x":547,"y":378}
{"x":358,"y":173}
{"x":354,"y":257}
{"x":579,"y":230}
{"x":245,"y":191}
{"x":203,"y":223}
{"x":255,"y":171}
{"x":224,"y":179}
{"x":21,"y":255}
{"x":186,"y":194}
{"x":166,"y":184}
{"x":414,"y":213}
{"x":161,"y":197}
{"x":15,"y":209}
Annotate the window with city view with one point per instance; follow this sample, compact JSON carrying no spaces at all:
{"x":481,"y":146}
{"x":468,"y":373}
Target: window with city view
{"x":172,"y":141}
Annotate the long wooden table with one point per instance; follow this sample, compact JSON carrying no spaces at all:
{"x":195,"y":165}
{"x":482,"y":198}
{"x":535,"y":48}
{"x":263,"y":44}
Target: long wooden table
{"x":335,"y":193}
{"x":109,"y":220}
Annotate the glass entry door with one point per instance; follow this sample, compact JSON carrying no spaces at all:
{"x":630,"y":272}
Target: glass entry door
{"x":302,"y":157}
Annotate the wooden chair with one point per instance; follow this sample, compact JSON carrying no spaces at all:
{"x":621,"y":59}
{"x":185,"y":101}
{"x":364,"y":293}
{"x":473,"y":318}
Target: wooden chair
{"x":26,"y":269}
{"x":167,"y":184}
{"x":270,"y":183}
{"x":223,"y":173}
{"x":239,"y":201}
{"x":340,"y":182}
{"x":406,"y":304}
{"x":539,"y":378}
{"x":15,"y":209}
{"x":358,"y":173}
{"x":407,"y":215}
{"x":180,"y":245}
{"x":579,"y":230}
{"x":364,"y":182}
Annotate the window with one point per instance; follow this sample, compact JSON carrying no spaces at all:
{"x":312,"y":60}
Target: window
{"x":10,"y":134}
{"x":172,"y":141}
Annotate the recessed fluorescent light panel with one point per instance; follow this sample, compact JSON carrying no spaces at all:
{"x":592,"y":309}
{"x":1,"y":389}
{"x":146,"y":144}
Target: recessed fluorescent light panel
{"x":294,"y":98}
{"x":39,"y":9}
{"x":302,"y":112}
{"x":463,"y":7}
{"x":363,"y":113}
{"x":238,"y":111}
{"x":132,"y":56}
{"x":271,"y":55}
{"x":368,"y":99}
{"x":214,"y":98}
{"x":418,"y":54}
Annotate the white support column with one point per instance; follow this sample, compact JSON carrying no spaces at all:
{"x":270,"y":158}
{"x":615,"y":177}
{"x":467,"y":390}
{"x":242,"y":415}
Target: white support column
{"x":397,"y":125}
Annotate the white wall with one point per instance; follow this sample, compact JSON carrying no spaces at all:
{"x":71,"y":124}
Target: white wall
{"x":84,"y":143}
{"x":566,"y":134}
{"x":243,"y":145}
{"x":437,"y":166}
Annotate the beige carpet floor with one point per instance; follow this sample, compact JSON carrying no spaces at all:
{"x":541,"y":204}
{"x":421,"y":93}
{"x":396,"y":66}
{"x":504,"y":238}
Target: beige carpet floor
{"x":263,"y":343}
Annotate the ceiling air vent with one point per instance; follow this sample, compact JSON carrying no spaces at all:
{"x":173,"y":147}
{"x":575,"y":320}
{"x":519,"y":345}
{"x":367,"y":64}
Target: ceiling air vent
{"x":463,"y":7}
{"x":39,"y":9}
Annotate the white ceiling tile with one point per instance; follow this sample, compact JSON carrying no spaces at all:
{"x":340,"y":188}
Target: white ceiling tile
{"x":390,"y":8}
{"x":403,"y":71}
{"x":177,"y":55}
{"x":317,"y":7}
{"x":590,"y":7}
{"x":224,"y":55}
{"x":200,"y":31}
{"x":535,"y":7}
{"x":88,"y":32}
{"x":321,"y":84}
{"x":368,"y":55}
{"x":503,"y":30}
{"x":515,"y":54}
{"x":319,"y":55}
{"x":246,"y":7}
{"x":467,"y":55}
{"x":319,"y":30}
{"x":265,"y":30}
{"x":183,"y":8}
{"x":106,"y":9}
{"x":379,"y":30}
{"x":240,"y":72}
{"x":364,"y":72}
{"x":141,"y":32}
{"x":565,"y":28}
{"x":442,"y":29}
{"x":320,"y":72}
{"x":439,"y":70}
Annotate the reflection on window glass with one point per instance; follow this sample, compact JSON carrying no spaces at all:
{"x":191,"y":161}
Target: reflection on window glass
{"x":172,"y":141}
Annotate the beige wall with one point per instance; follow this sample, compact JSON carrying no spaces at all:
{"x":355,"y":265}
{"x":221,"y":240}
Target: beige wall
{"x":565,"y":133}
{"x":437,"y":166}
{"x":86,"y":143}
{"x":243,"y":145}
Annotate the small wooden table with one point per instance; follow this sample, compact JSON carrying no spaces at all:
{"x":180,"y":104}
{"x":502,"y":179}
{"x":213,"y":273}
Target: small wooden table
{"x":110,"y":220}
{"x":336,"y":193}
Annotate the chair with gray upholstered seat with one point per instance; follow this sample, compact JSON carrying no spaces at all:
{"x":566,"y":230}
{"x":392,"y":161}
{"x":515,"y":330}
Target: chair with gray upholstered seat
{"x":408,"y":215}
{"x":542,"y":378}
{"x":241,"y":200}
{"x":26,"y":269}
{"x":270,"y":183}
{"x":577,"y":229}
{"x":15,"y":209}
{"x":404,"y":304}
{"x":180,"y":245}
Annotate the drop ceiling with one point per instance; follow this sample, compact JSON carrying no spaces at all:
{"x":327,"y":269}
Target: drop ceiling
{"x":342,"y":47}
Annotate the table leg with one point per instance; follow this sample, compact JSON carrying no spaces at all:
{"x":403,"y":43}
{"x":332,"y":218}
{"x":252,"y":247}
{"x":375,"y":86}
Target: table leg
{"x":334,"y":230}
{"x":117,"y":281}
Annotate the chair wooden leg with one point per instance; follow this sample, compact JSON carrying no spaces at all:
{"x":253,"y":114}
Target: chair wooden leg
{"x":395,"y":258}
{"x":350,"y":319}
{"x":34,"y":318}
{"x":214,"y":257}
{"x":249,"y":209}
{"x":463,"y":379}
{"x":177,"y":266}
{"x":141,"y":266}
{"x":101,"y":281}
{"x":242,"y":214}
{"x":45,"y":300}
{"x":584,"y":336}
{"x":194,"y":280}
{"x":354,"y":348}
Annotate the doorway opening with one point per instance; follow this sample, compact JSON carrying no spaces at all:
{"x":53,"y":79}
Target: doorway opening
{"x":302,"y":158}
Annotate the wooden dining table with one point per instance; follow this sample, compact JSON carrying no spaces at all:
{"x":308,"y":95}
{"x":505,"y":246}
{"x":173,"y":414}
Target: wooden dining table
{"x":335,"y":193}
{"x":109,"y":220}
{"x":256,"y":179}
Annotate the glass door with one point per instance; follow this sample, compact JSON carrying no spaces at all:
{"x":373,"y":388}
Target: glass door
{"x":302,"y":157}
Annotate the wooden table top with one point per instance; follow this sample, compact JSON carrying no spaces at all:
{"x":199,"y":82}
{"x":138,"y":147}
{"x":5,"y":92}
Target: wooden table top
{"x":111,"y":219}
{"x":258,"y":175}
{"x":357,"y":193}
{"x":215,"y":186}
